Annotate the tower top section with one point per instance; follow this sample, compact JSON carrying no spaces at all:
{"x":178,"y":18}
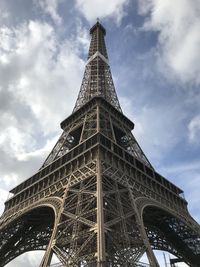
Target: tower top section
{"x":97,"y":42}
{"x":97,"y":79}
{"x":98,"y":25}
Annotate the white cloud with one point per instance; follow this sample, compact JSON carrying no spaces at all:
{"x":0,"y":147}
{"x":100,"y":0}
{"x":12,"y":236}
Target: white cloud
{"x":178,"y":25}
{"x":160,"y":258}
{"x":16,"y":165}
{"x":3,"y":197}
{"x":5,"y":15}
{"x":156,"y":127}
{"x":40,"y":78}
{"x":160,"y":129}
{"x":39,"y":71}
{"x":26,"y":156}
{"x":50,"y":7}
{"x":194,"y":129}
{"x":93,"y":9}
{"x":82,"y":38}
{"x":184,"y":167}
{"x":14,"y":140}
{"x":30,"y":259}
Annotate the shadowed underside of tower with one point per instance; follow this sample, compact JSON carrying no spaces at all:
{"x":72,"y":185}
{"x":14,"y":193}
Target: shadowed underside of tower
{"x":97,"y":200}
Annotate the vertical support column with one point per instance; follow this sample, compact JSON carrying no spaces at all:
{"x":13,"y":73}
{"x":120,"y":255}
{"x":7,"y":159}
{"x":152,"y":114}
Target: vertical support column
{"x":101,"y":255}
{"x":98,"y":61}
{"x":151,"y":257}
{"x":98,"y":119}
{"x":46,"y":261}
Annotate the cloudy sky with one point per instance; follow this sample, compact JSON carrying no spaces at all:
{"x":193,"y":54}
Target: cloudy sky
{"x":153,"y":48}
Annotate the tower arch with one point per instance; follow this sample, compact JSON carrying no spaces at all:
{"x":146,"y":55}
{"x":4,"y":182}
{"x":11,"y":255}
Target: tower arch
{"x":167,"y":231}
{"x":97,"y":200}
{"x":28,"y":230}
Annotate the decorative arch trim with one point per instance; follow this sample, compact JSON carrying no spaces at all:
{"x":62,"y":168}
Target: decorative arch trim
{"x":52,"y":202}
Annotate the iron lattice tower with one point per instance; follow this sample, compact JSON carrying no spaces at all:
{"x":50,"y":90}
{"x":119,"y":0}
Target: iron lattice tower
{"x":97,"y":200}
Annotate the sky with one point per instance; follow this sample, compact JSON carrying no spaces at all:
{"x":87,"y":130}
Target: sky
{"x":153,"y":48}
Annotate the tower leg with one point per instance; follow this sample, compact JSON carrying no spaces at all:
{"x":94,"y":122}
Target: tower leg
{"x":150,"y":255}
{"x":46,"y":260}
{"x":100,"y":219}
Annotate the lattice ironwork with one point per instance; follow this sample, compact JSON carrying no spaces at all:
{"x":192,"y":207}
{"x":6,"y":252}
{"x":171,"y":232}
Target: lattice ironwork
{"x":97,"y":201}
{"x":170,"y":234}
{"x":97,"y":80}
{"x":138,"y":264}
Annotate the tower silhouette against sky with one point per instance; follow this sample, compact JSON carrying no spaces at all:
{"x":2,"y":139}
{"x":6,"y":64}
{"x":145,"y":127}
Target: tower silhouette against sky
{"x":97,"y":201}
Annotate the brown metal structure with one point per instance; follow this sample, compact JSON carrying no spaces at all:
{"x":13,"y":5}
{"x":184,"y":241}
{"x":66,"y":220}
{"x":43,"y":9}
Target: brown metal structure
{"x":97,"y":200}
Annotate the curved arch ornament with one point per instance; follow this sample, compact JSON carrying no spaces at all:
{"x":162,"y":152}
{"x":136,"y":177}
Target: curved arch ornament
{"x":171,"y":231}
{"x":52,"y":202}
{"x":28,"y":229}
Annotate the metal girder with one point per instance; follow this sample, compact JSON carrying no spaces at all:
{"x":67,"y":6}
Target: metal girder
{"x":97,"y":79}
{"x":97,"y":201}
{"x":169,"y":233}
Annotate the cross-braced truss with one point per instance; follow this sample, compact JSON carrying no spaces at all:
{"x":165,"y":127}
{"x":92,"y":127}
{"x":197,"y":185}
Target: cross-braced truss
{"x":97,"y":201}
{"x":97,"y":79}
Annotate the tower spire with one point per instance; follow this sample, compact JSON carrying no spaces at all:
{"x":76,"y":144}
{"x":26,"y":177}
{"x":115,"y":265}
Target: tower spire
{"x":97,"y":80}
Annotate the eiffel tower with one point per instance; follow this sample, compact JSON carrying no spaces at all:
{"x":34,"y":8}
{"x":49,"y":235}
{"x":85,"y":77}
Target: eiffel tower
{"x":97,"y":201}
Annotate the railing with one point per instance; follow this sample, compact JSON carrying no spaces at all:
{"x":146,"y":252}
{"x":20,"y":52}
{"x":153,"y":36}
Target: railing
{"x":138,"y":264}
